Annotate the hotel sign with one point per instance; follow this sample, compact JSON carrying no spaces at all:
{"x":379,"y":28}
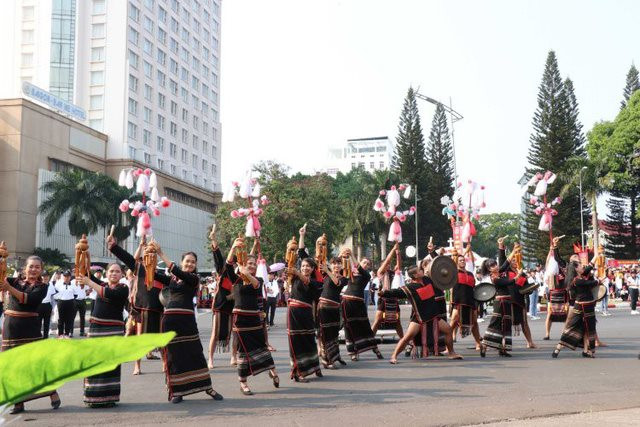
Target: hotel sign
{"x":53,"y":101}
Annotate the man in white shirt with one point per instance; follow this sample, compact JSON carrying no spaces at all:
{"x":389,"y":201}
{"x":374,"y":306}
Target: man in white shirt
{"x":46,"y":306}
{"x":65,"y":300}
{"x":81,"y":292}
{"x":633,"y":284}
{"x":273,"y":290}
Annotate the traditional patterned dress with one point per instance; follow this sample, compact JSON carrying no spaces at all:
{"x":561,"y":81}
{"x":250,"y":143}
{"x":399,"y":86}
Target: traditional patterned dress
{"x":300,"y":328}
{"x":582,"y":323}
{"x":559,"y":296}
{"x":498,"y":333}
{"x":253,"y":355}
{"x":518,"y":303}
{"x":464,"y":301}
{"x":389,"y":306}
{"x":21,"y":323}
{"x":106,"y":320}
{"x":357,"y":328}
{"x":146,"y":306}
{"x":185,"y":366}
{"x":329,"y":320}
{"x":424,"y":312}
{"x":223,"y":302}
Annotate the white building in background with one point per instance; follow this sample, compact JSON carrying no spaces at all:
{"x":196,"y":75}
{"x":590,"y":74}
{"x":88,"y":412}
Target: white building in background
{"x":145,"y":71}
{"x":371,"y":154}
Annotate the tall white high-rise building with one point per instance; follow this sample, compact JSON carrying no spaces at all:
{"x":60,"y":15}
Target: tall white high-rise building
{"x":145,"y":71}
{"x":371,"y":154}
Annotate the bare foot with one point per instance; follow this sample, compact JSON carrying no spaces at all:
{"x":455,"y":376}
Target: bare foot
{"x":532,"y":345}
{"x":210,"y":364}
{"x":233,"y":361}
{"x":136,"y":372}
{"x":601,"y":344}
{"x":271,"y":348}
{"x":455,"y":356}
{"x":393,"y":361}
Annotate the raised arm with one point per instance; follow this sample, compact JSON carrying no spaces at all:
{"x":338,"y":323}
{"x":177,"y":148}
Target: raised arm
{"x":384,"y":267}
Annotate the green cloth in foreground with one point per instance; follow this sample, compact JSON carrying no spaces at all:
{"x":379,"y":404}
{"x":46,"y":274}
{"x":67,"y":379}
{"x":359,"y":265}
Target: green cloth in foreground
{"x":45,"y":365}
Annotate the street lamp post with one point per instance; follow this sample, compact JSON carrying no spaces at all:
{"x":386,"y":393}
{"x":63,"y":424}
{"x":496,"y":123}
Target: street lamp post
{"x":415,"y":198}
{"x":581,"y":216}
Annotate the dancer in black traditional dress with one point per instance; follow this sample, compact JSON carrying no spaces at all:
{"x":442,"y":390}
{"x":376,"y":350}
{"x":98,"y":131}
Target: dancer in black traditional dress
{"x":21,"y":321}
{"x":103,"y":390}
{"x":388,"y":309}
{"x":329,"y":315}
{"x":465,"y":312}
{"x":222,"y":305}
{"x":303,"y":349}
{"x":357,"y":329}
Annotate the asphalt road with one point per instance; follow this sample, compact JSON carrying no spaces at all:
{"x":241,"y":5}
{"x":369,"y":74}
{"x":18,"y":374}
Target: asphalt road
{"x":437,"y":391}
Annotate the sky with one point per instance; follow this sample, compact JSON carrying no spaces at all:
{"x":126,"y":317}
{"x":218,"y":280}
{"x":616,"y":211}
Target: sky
{"x":300,"y":76}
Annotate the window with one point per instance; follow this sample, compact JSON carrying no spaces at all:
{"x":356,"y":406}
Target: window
{"x":162,"y":57}
{"x":133,"y":36}
{"x":146,"y":138}
{"x":173,"y":66}
{"x":96,"y":124}
{"x":206,"y":16}
{"x":162,"y":15}
{"x":184,"y":174}
{"x":147,"y":46}
{"x":161,"y":79}
{"x":214,"y":169}
{"x":173,"y":169}
{"x":160,"y":164}
{"x":372,"y":165}
{"x":195,"y":179}
{"x":132,"y":152}
{"x":195,"y":142}
{"x":381,"y":165}
{"x":97,"y":77}
{"x":196,"y":25}
{"x":173,"y":149}
{"x":27,"y":36}
{"x":205,"y":128}
{"x":97,"y":54}
{"x":161,"y":122}
{"x":173,"y":45}
{"x":147,"y":158}
{"x":214,"y":132}
{"x":27,"y":13}
{"x":148,"y":92}
{"x":215,"y":114}
{"x":185,"y":136}
{"x":134,"y":12}
{"x":195,"y":102}
{"x":214,"y":79}
{"x":184,"y":155}
{"x":194,"y":161}
{"x":174,"y":5}
{"x":214,"y":151}
{"x":184,"y":54}
{"x":184,"y":94}
{"x":216,"y":10}
{"x":160,"y":144}
{"x":205,"y":165}
{"x":147,"y":24}
{"x":205,"y":147}
{"x":195,"y":83}
{"x":196,"y":122}
{"x":215,"y":43}
{"x":98,"y":7}
{"x":146,"y":114}
{"x":186,"y":15}
{"x":196,"y":45}
{"x":27,"y":59}
{"x":174,"y":108}
{"x":185,"y":35}
{"x":149,"y":4}
{"x":173,"y":129}
{"x":148,"y":69}
{"x":97,"y":30}
{"x":133,"y":59}
{"x":133,"y":107}
{"x":133,"y":83}
{"x":162,"y":36}
{"x":205,"y":109}
{"x":205,"y":53}
{"x":95,"y":102}
{"x":173,"y":87}
{"x":185,"y":115}
{"x":175,"y":27}
{"x":132,"y":131}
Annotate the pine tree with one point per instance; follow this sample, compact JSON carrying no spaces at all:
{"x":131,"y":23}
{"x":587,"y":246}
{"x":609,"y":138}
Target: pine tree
{"x":441,"y":175}
{"x":633,"y":84}
{"x":409,"y":163}
{"x":617,"y":245}
{"x":557,"y":136}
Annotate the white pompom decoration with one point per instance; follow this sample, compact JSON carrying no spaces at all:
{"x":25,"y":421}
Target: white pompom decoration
{"x":128,"y":182}
{"x":153,"y":180}
{"x":155,"y":196}
{"x":122,"y":178}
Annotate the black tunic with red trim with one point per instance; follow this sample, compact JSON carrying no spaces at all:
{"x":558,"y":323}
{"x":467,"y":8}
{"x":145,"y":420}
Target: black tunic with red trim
{"x":21,"y":324}
{"x":422,"y":299}
{"x":463,"y":290}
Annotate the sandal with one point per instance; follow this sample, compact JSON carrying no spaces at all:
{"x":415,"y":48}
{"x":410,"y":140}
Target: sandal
{"x":588,"y":354}
{"x":343,"y":363}
{"x":355,"y":358}
{"x":18,"y":408}
{"x":276,"y":379}
{"x":214,"y":394}
{"x":319,"y":373}
{"x":244,"y":388}
{"x":504,"y":353}
{"x":378,"y":354}
{"x":393,"y":361}
{"x":299,"y":379}
{"x":555,"y":353}
{"x":176,"y":399}
{"x":483,"y":350}
{"x":546,"y":338}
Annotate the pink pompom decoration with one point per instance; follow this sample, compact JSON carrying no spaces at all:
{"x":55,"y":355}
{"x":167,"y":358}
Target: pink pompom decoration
{"x":460,"y":184}
{"x":538,"y":210}
{"x":147,"y":172}
{"x":482,"y":187}
{"x":234,"y":214}
{"x":235,"y":183}
{"x":402,"y":217}
{"x":124,"y":207}
{"x":382,"y":192}
{"x":412,"y":209}
{"x":156,"y":212}
{"x":146,"y":221}
{"x":134,"y":212}
{"x":137,"y":172}
{"x":402,"y":187}
{"x":393,"y":187}
{"x":533,"y":200}
{"x":164,"y":202}
{"x":387,"y":214}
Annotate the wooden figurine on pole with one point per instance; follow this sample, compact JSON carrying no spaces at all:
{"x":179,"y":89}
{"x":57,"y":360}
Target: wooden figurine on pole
{"x":4,"y":254}
{"x":82,"y":257}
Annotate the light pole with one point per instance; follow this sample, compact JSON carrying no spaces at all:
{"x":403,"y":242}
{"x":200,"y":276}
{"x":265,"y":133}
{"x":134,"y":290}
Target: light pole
{"x":581,"y":216}
{"x":415,"y":197}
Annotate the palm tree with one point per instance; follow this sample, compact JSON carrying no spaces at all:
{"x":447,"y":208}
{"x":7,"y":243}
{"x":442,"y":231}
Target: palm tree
{"x":592,"y":173}
{"x":90,"y":199}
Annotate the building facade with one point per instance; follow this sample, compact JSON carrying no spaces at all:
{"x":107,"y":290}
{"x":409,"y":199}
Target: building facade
{"x":145,"y":71}
{"x":36,"y":143}
{"x":371,"y":154}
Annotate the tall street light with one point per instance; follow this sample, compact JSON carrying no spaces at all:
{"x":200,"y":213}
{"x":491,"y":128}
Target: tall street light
{"x":581,"y":216}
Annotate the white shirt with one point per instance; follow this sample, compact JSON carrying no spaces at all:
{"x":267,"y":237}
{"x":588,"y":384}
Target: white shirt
{"x":633,"y":283}
{"x":51,"y":290}
{"x":273,"y":290}
{"x":80,"y":290}
{"x":65,"y":292}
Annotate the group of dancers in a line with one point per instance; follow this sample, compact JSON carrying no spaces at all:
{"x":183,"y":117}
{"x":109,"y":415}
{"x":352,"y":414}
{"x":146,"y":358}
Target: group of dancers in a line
{"x":323,"y":299}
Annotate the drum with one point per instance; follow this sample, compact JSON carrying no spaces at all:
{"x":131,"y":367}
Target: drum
{"x":164,"y":296}
{"x":443,"y":272}
{"x":528,"y":288}
{"x":599,"y":292}
{"x":484,"y":292}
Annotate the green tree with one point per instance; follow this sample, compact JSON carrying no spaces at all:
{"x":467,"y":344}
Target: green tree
{"x":557,"y":136}
{"x":633,"y":84}
{"x":410,"y":165}
{"x":90,"y":199}
{"x":617,"y":143}
{"x":52,"y":257}
{"x":490,"y":228}
{"x":618,"y":220}
{"x":441,"y":176}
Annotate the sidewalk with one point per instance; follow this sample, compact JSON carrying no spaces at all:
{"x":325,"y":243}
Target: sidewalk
{"x":617,"y":417}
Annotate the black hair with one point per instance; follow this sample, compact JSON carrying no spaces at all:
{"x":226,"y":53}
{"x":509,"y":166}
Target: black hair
{"x":335,"y":259}
{"x":184,"y":255}
{"x":487,"y":265}
{"x":413,"y":271}
{"x":311,"y":262}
